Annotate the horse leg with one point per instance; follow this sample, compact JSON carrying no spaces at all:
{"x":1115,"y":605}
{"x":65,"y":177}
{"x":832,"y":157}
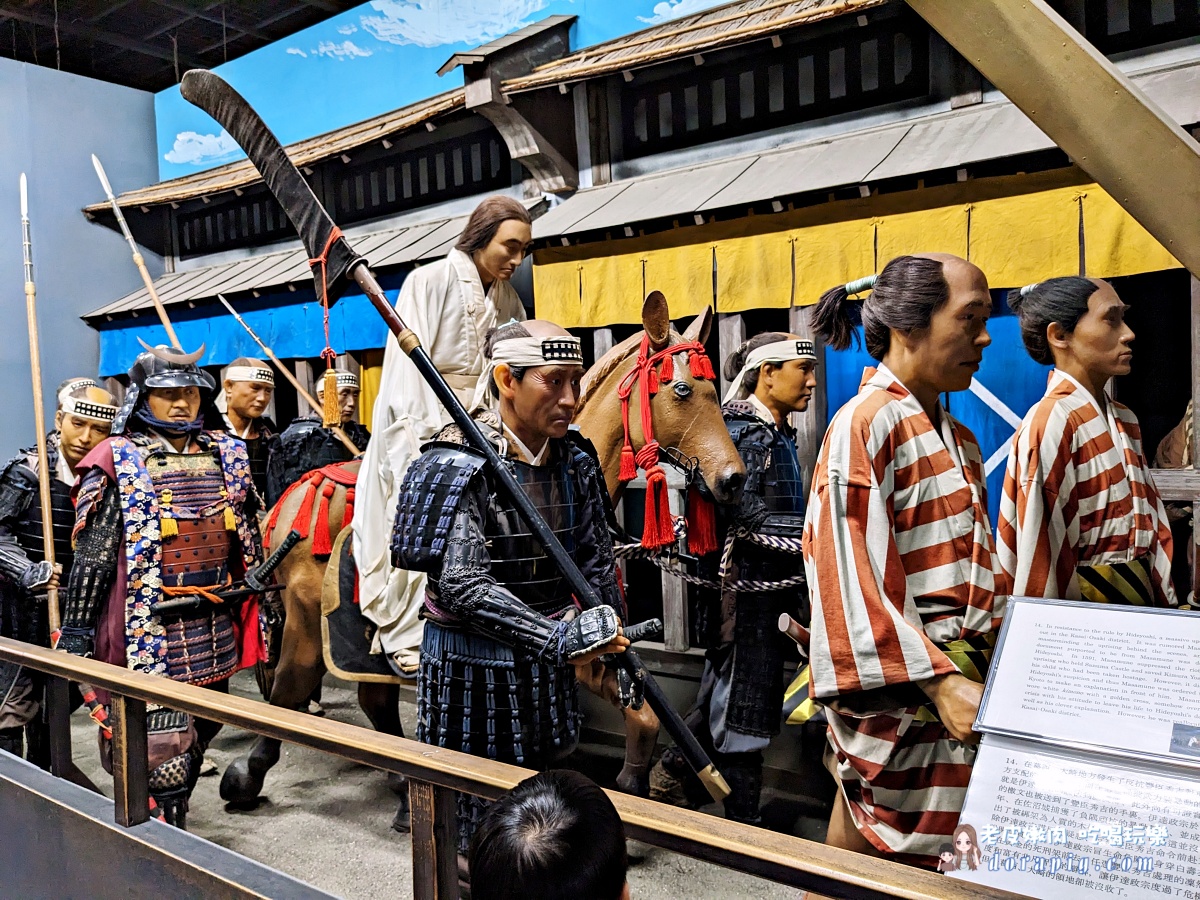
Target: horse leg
{"x":381,"y":703}
{"x":641,"y":729}
{"x":299,"y":671}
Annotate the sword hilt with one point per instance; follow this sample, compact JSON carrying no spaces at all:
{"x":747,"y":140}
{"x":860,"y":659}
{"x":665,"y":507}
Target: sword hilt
{"x":260,"y":578}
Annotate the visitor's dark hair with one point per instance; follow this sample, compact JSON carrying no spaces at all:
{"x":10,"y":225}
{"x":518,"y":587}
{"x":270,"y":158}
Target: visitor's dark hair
{"x":909,"y":290}
{"x":735,"y":360}
{"x":504,"y":333}
{"x":555,"y":836}
{"x":946,"y":848}
{"x":1061,"y":300}
{"x":487,"y":218}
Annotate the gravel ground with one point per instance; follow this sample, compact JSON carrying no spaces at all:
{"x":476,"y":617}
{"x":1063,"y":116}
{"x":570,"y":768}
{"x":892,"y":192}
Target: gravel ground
{"x":327,"y":821}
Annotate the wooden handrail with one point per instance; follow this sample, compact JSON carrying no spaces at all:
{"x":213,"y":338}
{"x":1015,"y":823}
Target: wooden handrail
{"x":434,"y":772}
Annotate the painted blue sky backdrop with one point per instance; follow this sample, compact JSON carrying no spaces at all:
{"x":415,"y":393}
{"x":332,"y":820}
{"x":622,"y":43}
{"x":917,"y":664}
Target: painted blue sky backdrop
{"x":376,"y":57}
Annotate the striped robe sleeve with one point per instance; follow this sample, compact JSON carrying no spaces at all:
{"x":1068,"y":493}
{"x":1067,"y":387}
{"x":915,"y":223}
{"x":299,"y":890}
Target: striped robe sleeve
{"x":1039,"y":511}
{"x":866,"y":632}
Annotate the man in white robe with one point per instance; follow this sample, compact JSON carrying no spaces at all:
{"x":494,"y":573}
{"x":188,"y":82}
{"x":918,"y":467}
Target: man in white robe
{"x":450,"y":304}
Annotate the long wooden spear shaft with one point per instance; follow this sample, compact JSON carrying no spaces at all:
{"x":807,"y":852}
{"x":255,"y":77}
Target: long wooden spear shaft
{"x":138,"y":259}
{"x":39,"y":412}
{"x":287,"y":373}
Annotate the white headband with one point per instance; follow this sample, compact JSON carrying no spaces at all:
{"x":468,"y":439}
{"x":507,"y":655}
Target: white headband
{"x":777,"y":352}
{"x":344,"y":379}
{"x":87,"y":409}
{"x":256,"y":374}
{"x":526,"y":352}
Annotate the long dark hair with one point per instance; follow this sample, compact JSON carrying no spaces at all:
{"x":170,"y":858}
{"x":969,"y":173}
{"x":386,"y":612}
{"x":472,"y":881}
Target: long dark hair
{"x":487,"y":218}
{"x":909,"y":290}
{"x":1061,"y":300}
{"x":735,"y":360}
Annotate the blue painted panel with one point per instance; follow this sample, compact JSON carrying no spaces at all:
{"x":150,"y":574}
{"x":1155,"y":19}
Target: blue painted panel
{"x":1007,"y":373}
{"x":293,"y":330}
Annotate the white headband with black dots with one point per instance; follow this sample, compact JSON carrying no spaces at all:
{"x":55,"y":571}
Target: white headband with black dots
{"x":88,"y":409}
{"x":255,"y":374}
{"x":774,"y":352}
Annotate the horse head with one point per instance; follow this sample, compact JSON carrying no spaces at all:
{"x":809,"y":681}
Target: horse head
{"x":684,"y":409}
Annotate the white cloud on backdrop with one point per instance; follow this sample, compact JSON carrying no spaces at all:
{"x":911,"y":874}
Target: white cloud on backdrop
{"x":192,"y":148}
{"x":341,"y":52}
{"x":296,"y":51}
{"x":675,"y":9}
{"x":347,"y":29}
{"x":433,"y":23}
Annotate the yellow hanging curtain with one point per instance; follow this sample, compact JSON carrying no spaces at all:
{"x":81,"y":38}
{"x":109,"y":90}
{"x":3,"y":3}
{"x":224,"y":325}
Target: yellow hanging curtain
{"x":369,"y":375}
{"x":1018,"y":229}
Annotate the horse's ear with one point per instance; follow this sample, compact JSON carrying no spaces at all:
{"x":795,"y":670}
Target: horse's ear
{"x":656,"y":319}
{"x":700,"y":328}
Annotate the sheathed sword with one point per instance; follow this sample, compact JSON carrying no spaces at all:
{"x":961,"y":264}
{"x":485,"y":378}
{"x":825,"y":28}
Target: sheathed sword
{"x":138,"y":259}
{"x":332,"y":258}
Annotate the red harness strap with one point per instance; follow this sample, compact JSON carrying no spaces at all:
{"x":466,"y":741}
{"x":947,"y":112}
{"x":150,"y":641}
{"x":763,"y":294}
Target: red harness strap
{"x":651,"y":370}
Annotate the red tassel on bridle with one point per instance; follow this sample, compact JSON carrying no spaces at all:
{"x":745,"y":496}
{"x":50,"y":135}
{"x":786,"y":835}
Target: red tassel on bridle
{"x":649,"y":371}
{"x":701,"y":523}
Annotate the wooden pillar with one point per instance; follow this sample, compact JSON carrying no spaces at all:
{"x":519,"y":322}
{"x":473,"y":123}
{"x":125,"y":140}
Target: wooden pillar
{"x":130,"y":763}
{"x":434,"y":841}
{"x":304,"y":374}
{"x":731,"y":331}
{"x":810,"y":425}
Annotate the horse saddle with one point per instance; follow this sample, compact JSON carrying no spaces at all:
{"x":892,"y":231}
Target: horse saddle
{"x":346,"y":634}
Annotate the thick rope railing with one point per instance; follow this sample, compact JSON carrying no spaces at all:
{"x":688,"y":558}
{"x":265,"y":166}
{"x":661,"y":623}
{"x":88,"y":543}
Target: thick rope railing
{"x":435,"y":773}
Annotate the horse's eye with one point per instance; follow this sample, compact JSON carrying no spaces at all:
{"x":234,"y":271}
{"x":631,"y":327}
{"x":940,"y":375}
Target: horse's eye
{"x":683,"y":390}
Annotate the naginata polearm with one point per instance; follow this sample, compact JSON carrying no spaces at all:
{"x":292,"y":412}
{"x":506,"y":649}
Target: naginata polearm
{"x":332,"y":259}
{"x":138,"y":259}
{"x":295,"y":382}
{"x":39,"y":413}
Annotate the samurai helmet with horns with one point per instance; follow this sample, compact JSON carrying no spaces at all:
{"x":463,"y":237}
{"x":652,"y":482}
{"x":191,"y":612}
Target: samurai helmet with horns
{"x":162,"y":367}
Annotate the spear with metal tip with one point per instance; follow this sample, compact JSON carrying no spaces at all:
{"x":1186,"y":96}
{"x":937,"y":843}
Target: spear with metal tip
{"x":138,"y":259}
{"x":39,"y":412}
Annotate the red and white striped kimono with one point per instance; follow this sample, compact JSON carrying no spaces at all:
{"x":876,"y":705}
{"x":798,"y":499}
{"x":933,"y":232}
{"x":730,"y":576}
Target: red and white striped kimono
{"x":905,"y":586}
{"x":1080,"y":517}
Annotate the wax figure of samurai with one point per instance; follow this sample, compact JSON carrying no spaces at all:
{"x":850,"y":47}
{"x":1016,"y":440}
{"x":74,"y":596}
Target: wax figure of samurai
{"x":82,"y":420}
{"x":502,"y":633}
{"x":1080,"y":518}
{"x":741,"y":691}
{"x":248,"y":387}
{"x":306,"y":445}
{"x":165,"y":521}
{"x":451,"y":305}
{"x":906,"y":589}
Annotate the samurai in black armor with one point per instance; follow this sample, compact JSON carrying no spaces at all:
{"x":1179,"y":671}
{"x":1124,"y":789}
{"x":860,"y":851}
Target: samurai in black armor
{"x":502,"y":631}
{"x":247,"y":389}
{"x":83,"y":419}
{"x":306,"y":445}
{"x":739,"y":705}
{"x":165,"y":523}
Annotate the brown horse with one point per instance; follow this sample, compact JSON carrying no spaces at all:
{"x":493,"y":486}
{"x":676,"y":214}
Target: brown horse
{"x":691,"y":423}
{"x":686,"y":419}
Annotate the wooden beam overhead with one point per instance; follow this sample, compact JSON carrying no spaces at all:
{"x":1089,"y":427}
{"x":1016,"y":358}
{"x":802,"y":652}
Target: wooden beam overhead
{"x":1087,"y":106}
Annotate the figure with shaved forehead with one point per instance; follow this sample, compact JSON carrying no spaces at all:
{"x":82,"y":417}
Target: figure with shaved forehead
{"x":905,"y":584}
{"x":165,"y":523}
{"x":503,"y":636}
{"x":83,"y":418}
{"x":1081,"y":518}
{"x":247,"y":389}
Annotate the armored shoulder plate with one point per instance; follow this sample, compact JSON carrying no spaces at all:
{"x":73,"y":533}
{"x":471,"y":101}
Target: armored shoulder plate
{"x":18,"y":486}
{"x":430,"y":494}
{"x":583,"y":450}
